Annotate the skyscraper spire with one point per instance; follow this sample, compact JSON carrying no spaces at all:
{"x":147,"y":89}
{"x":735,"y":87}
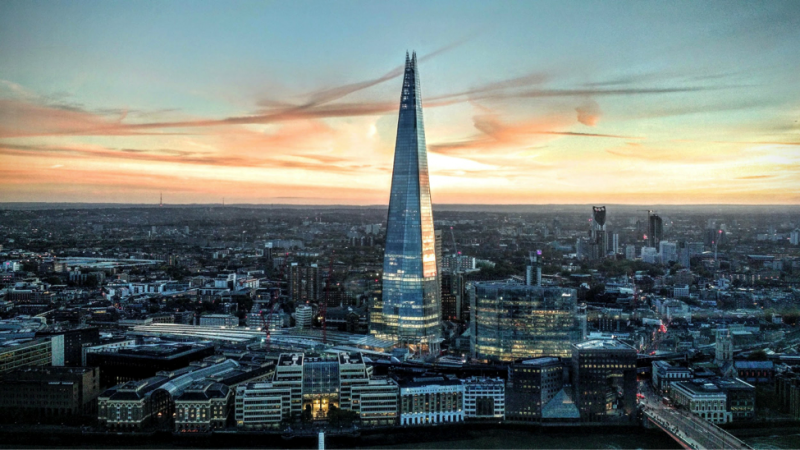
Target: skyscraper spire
{"x":409,"y":311}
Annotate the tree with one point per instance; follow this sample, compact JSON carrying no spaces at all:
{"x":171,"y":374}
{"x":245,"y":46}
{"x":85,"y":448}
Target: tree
{"x":758,"y":355}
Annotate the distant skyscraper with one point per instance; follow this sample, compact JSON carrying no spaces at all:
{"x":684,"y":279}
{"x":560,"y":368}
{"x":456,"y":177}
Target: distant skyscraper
{"x":410,"y":306}
{"x":655,"y":232}
{"x":599,"y":242}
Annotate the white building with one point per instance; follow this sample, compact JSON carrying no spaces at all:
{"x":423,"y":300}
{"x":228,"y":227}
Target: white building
{"x":680,"y":291}
{"x":302,"y":316}
{"x":668,"y":251}
{"x":430,"y":400}
{"x":704,"y":399}
{"x":484,"y":398}
{"x":630,"y":251}
{"x":650,"y":255}
{"x":794,"y":237}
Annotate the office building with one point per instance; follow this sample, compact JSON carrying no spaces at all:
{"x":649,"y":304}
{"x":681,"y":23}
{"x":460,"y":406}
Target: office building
{"x":532,"y":384}
{"x":604,"y":380}
{"x":49,"y":393}
{"x":484,"y":398}
{"x":666,"y":373}
{"x":630,"y":251}
{"x":668,"y":252}
{"x":511,"y":322}
{"x":411,"y":312}
{"x":18,"y":354}
{"x":431,"y":399}
{"x":132,"y":363}
{"x":219,"y":320}
{"x":718,"y":400}
{"x":74,"y":342}
{"x":311,"y":385}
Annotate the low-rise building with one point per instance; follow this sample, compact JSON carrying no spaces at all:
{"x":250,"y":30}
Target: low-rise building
{"x":219,"y":320}
{"x":703,"y":398}
{"x":44,"y":393}
{"x":427,"y":400}
{"x":666,"y":373}
{"x":204,"y":406}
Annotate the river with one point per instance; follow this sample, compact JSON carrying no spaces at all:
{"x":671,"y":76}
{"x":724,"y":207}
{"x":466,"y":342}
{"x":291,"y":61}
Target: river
{"x":509,"y":440}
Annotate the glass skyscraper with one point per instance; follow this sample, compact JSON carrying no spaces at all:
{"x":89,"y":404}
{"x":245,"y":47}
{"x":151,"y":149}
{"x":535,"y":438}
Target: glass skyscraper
{"x":514,"y":321}
{"x":409,"y":311}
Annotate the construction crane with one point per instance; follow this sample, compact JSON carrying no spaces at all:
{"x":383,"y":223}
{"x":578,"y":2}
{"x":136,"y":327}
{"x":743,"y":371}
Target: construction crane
{"x":323,"y":309}
{"x":266,"y":320}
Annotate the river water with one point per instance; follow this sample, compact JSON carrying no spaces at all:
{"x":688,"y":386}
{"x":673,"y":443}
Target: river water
{"x":511,"y":440}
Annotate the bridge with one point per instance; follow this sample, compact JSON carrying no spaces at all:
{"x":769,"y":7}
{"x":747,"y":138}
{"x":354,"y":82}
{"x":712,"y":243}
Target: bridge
{"x":688,"y":430}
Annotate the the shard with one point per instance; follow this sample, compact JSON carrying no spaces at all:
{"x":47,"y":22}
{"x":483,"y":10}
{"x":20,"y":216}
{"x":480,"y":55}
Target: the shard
{"x":409,"y":311}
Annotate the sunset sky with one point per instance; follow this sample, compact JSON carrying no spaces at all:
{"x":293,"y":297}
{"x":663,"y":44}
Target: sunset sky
{"x":525,"y":102}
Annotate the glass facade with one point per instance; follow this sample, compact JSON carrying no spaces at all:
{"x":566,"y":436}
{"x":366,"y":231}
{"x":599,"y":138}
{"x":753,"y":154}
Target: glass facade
{"x":409,"y":310}
{"x":518,"y":321}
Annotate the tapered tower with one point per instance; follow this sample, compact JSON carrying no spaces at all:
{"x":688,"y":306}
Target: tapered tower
{"x":409,"y":310}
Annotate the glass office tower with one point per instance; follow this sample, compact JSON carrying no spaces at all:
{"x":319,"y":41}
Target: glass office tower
{"x":513,"y":321}
{"x":409,"y":309}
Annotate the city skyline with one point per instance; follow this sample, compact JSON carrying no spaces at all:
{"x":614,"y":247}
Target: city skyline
{"x":528,"y":103}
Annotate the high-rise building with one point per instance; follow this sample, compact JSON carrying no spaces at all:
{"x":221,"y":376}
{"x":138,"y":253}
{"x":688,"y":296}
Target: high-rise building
{"x":599,"y":235}
{"x":410,"y":307}
{"x":304,"y":283}
{"x":655,"y":232}
{"x":615,"y":243}
{"x":668,"y":252}
{"x":511,"y":321}
{"x":453,"y":296}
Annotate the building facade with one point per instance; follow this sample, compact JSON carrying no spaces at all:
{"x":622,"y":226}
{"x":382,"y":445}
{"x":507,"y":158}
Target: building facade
{"x":42,"y":393}
{"x":531,"y":385}
{"x":410,"y":309}
{"x":604,"y":380}
{"x":484,"y":398}
{"x":511,"y":322}
{"x":430,"y":400}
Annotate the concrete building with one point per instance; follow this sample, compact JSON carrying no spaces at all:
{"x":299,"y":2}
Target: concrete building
{"x":219,"y":320}
{"x":304,"y":283}
{"x":303,"y":316}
